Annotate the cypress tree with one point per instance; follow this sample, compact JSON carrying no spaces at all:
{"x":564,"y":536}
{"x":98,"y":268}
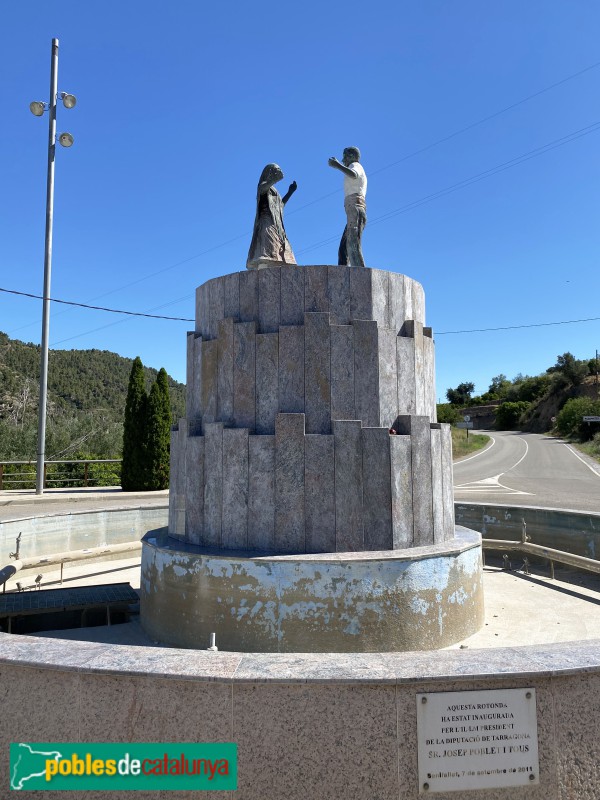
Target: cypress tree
{"x":162,"y":380}
{"x":134,"y":466}
{"x":159,"y":427}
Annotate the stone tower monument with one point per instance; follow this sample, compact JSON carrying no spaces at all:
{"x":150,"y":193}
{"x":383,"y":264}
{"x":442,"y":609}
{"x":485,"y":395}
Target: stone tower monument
{"x":311,"y":503}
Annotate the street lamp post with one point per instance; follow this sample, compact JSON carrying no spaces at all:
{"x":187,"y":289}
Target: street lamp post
{"x":38,"y":109}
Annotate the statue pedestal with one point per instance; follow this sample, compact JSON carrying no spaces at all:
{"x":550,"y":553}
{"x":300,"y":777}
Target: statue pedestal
{"x":417,"y":599}
{"x":311,"y":502}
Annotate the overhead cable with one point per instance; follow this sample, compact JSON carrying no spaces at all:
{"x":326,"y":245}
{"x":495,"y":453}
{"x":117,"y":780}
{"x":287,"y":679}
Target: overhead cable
{"x":96,"y":308}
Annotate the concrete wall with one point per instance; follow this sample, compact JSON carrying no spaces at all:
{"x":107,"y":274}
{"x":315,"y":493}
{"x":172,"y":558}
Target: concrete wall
{"x":56,"y":533}
{"x":421,"y":598}
{"x":312,"y":726}
{"x":573,"y":531}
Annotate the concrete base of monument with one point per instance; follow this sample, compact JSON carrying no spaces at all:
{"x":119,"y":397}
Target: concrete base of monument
{"x":423,"y":598}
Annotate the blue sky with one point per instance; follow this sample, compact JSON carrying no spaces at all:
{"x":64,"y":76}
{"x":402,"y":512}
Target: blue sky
{"x":180,"y":107}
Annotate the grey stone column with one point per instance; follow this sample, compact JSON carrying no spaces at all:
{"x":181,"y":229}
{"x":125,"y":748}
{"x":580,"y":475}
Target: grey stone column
{"x":194,"y":489}
{"x":289,"y":483}
{"x":437,"y":488}
{"x":349,"y":527}
{"x":291,"y":369}
{"x":213,"y":483}
{"x":366,"y":372}
{"x":234,"y":526}
{"x":261,"y":492}
{"x":267,"y":376}
{"x":342,"y":372}
{"x":269,"y":300}
{"x":244,"y":375}
{"x":402,"y":492}
{"x":417,"y":427}
{"x":225,"y":372}
{"x":231,"y":296}
{"x":292,"y":296}
{"x":447,"y":482}
{"x":319,"y":493}
{"x":377,"y":489}
{"x":317,"y":373}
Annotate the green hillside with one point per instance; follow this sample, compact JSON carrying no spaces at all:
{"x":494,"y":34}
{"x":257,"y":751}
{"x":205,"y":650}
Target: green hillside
{"x":86,"y":401}
{"x":557,"y":400}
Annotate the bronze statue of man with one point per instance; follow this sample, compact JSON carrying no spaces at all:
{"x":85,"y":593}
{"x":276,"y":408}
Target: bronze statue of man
{"x":355,"y":190}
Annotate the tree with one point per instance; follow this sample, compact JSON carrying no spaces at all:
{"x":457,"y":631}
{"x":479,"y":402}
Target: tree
{"x":461,"y":395}
{"x":573,"y":370}
{"x":499,"y":385}
{"x":135,"y":428}
{"x":159,"y":434}
{"x":162,"y":379}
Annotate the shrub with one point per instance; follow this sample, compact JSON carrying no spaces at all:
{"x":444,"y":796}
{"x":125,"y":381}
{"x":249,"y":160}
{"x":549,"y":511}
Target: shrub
{"x":570,"y":419}
{"x":508,"y":415}
{"x":446,"y":412}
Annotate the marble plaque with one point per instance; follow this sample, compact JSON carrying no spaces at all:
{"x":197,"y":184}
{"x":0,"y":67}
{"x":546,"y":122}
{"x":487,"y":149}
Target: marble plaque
{"x":484,"y":739}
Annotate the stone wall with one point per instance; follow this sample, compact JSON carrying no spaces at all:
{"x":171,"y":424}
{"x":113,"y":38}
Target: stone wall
{"x":315,"y":726}
{"x":295,"y":376}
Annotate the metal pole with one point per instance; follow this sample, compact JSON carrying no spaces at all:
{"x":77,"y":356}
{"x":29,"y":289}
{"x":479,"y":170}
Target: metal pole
{"x":39,"y":489}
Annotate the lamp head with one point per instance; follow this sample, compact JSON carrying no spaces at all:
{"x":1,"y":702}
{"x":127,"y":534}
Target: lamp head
{"x":37,"y":108}
{"x":66,"y":140}
{"x":69,"y":100}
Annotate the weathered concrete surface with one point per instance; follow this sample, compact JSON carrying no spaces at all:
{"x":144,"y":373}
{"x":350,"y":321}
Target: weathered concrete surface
{"x":420,"y":598}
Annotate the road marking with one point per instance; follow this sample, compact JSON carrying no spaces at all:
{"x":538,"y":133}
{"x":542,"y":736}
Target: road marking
{"x":589,"y":466}
{"x":491,"y":485}
{"x":518,"y":462}
{"x":481,"y":452}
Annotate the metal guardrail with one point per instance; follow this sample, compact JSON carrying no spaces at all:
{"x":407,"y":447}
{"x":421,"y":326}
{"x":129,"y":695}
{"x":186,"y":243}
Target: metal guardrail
{"x":12,"y":479}
{"x":8,"y":571}
{"x":527,"y":547}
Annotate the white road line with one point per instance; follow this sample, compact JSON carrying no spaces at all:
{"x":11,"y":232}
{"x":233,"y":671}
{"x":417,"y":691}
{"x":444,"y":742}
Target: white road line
{"x":518,"y":462}
{"x":480,"y":453}
{"x":491,"y":485}
{"x":589,"y":466}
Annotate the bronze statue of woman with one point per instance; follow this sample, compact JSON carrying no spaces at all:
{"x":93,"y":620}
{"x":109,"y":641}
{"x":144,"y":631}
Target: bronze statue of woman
{"x":269,"y":244}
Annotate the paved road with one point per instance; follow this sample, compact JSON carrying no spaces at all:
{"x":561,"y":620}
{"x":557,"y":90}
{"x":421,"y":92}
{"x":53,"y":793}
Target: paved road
{"x":21,"y":504}
{"x":529,"y":469}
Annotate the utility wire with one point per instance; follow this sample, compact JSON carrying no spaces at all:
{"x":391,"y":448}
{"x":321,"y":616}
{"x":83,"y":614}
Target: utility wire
{"x":513,"y":162}
{"x":458,"y":132}
{"x":97,"y":308}
{"x":488,"y":118}
{"x":183,"y":319}
{"x":515,"y":327}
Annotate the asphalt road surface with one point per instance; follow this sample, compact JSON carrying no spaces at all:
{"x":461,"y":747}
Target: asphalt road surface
{"x":528,"y":469}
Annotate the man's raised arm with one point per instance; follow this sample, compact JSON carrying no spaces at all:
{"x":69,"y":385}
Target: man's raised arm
{"x":333,"y":162}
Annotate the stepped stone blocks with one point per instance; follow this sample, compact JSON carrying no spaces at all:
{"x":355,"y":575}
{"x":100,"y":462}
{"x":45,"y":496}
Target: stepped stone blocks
{"x":311,"y":503}
{"x":295,"y":376}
